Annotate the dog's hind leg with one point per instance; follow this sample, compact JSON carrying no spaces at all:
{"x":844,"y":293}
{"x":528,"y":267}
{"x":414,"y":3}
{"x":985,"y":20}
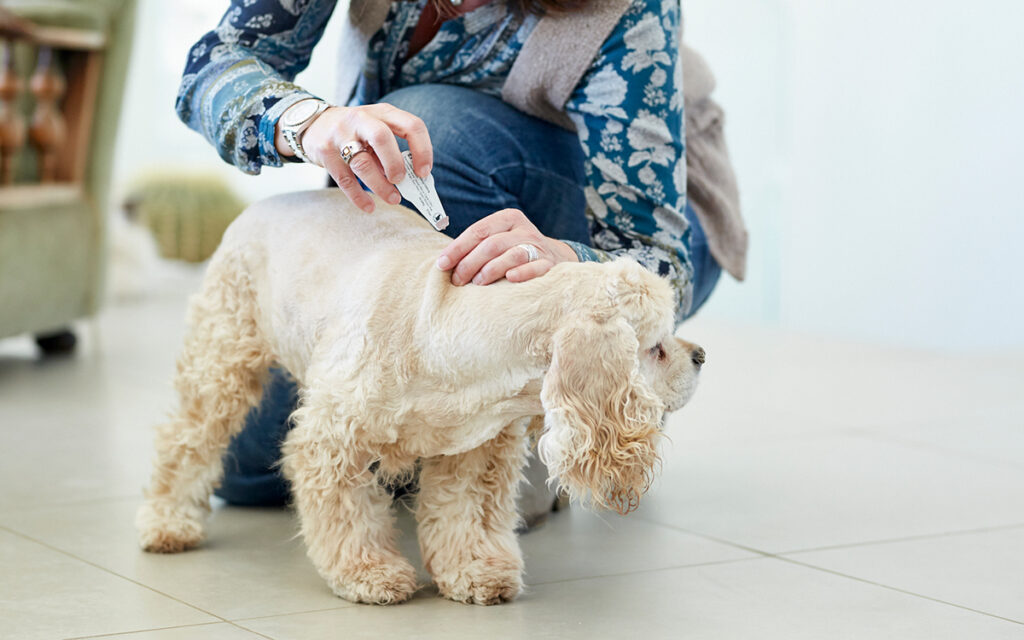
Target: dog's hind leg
{"x":219,"y":378}
{"x":467,"y":519}
{"x":345,"y":515}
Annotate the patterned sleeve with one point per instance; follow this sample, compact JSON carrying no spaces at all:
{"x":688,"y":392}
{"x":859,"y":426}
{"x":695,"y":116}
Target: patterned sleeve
{"x":237,"y":79}
{"x":628,"y":111}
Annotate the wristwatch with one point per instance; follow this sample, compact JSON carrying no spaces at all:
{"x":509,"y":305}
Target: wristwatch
{"x":296,"y":119}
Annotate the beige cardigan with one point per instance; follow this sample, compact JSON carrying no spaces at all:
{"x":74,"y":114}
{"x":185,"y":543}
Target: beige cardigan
{"x":544,"y":75}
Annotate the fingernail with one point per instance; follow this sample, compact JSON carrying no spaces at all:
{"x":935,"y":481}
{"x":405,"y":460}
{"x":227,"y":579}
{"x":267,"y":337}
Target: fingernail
{"x":394,"y":198}
{"x":444,"y":263}
{"x":424,"y":171}
{"x":478,"y":279}
{"x":456,"y":279}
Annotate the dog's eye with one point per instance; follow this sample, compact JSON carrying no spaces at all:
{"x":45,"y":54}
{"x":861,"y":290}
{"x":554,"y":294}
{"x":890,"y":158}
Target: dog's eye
{"x":658,"y":351}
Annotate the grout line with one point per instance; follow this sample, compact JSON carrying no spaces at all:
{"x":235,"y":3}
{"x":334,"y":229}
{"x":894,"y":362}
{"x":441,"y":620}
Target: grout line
{"x":113,"y":573}
{"x":347,"y":605}
{"x":641,"y":571}
{"x":125,"y":633}
{"x":898,"y":590}
{"x":777,"y":556}
{"x":220,"y":619}
{"x":849,"y":545}
{"x":706,"y":536}
{"x":923,"y":536}
{"x":238,"y":626}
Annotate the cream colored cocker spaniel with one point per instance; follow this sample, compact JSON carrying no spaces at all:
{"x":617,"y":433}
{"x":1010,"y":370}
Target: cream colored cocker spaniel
{"x":396,"y":365}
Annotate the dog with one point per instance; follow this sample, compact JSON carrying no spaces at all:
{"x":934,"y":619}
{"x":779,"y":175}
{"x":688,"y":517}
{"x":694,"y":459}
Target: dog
{"x":398,"y":368}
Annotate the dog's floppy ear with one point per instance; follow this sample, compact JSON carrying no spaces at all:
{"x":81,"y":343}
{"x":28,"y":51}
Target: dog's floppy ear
{"x":601,"y":420}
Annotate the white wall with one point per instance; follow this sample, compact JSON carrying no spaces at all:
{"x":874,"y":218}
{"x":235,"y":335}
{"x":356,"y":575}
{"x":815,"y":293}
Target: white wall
{"x":879,"y":149}
{"x":878,"y":146}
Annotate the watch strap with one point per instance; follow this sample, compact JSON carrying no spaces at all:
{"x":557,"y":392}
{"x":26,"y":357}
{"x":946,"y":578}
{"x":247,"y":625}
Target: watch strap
{"x":293,"y":133}
{"x":294,"y":140}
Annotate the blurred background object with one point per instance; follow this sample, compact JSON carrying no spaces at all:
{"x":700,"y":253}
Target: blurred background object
{"x":186,"y":212}
{"x":134,"y":259}
{"x":62,"y":80}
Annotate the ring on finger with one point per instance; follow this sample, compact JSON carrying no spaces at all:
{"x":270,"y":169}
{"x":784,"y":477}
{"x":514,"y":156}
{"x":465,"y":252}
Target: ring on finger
{"x":531,"y":251}
{"x":351,"y":149}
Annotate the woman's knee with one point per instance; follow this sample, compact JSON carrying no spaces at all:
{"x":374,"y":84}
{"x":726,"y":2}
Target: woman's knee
{"x":489,"y":155}
{"x":461,"y":122}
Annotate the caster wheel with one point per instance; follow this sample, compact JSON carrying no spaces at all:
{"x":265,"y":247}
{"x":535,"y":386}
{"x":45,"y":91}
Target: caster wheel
{"x":58,"y":343}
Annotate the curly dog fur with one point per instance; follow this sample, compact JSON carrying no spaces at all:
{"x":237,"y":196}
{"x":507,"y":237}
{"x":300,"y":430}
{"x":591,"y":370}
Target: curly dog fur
{"x":396,"y":365}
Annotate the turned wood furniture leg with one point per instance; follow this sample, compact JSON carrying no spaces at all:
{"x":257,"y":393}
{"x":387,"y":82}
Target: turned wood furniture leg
{"x":48,"y":131}
{"x":12,"y":124}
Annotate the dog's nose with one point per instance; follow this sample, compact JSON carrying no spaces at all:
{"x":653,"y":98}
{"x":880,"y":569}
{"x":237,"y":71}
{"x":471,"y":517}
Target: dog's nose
{"x":697,"y":357}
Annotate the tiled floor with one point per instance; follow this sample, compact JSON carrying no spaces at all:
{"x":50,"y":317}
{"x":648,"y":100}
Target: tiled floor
{"x":813,"y":489}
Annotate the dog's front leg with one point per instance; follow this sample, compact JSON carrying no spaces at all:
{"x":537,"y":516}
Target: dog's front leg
{"x":467,"y":519}
{"x":345,"y":516}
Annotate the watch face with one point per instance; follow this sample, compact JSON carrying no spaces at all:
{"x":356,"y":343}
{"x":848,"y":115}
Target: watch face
{"x":300,"y":112}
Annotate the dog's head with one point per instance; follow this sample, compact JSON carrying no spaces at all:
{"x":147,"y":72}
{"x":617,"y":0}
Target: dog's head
{"x":615,"y":370}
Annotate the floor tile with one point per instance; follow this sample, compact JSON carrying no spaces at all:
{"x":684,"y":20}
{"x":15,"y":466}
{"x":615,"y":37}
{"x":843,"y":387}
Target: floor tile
{"x":220,"y":631}
{"x":45,"y":594}
{"x":577,"y":544}
{"x":977,"y":570}
{"x":993,"y":434}
{"x":90,"y":416}
{"x":254,"y":551}
{"x":829,"y":490}
{"x":57,"y":459}
{"x":761,"y":599}
{"x":250,"y":564}
{"x":704,"y":423}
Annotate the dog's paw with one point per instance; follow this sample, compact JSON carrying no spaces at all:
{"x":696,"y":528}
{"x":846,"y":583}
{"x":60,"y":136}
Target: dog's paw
{"x":387,"y":581}
{"x":166,"y":530}
{"x":483,"y":581}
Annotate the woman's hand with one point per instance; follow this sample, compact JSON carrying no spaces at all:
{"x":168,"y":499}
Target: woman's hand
{"x":380,"y":167}
{"x":489,"y":250}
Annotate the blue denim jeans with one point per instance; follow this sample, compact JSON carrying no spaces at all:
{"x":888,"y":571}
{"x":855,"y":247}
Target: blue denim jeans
{"x":487,"y":156}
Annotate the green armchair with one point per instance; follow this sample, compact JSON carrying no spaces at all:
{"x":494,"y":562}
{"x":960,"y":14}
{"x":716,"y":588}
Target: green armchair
{"x":53,"y":199}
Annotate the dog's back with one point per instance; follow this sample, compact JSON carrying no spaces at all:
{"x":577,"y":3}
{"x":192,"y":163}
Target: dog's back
{"x":325,"y":226}
{"x":316,"y":252}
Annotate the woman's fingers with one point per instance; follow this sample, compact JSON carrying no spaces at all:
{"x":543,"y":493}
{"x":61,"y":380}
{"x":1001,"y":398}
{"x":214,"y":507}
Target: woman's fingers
{"x":381,"y":166}
{"x":489,"y":248}
{"x":376,"y":135}
{"x":516,"y":256}
{"x":529,"y":271}
{"x":368,"y":168}
{"x":408,"y":126}
{"x":470,"y":266}
{"x":477,"y":233}
{"x":493,"y":248}
{"x":347,"y":182}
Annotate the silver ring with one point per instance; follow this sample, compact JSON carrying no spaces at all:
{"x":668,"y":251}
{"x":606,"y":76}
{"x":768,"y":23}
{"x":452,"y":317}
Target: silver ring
{"x":351,"y":149}
{"x":531,"y":251}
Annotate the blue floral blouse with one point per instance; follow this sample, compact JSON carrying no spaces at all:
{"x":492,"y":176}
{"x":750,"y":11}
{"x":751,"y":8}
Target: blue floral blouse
{"x":628,"y":107}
